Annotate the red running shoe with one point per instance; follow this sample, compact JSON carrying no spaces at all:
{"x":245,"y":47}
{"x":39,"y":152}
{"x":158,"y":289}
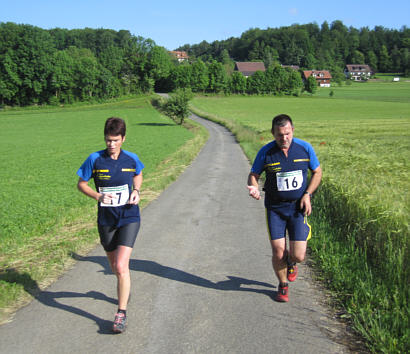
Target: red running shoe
{"x":282,"y":295}
{"x":292,"y":272}
{"x":119,"y":323}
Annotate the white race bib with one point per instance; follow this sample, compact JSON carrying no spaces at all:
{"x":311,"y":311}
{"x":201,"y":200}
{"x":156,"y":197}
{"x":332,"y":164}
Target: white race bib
{"x":289,"y":181}
{"x":120,"y":195}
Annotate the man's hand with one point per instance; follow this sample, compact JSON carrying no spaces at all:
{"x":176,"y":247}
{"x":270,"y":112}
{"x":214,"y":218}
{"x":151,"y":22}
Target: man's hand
{"x":305,"y":204}
{"x":254,"y":192}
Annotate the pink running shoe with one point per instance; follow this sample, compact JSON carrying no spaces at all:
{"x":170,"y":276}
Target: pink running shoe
{"x":119,"y":322}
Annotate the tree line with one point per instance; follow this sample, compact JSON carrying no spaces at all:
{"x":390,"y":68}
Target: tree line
{"x":328,"y":47}
{"x":58,"y":66}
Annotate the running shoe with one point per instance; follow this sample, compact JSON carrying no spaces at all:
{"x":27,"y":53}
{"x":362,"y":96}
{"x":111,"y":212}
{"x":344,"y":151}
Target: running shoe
{"x":292,"y":272}
{"x":119,"y":322}
{"x":282,"y":295}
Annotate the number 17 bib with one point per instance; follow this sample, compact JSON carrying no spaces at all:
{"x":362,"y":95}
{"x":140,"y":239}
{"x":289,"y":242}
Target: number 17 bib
{"x":120,"y":195}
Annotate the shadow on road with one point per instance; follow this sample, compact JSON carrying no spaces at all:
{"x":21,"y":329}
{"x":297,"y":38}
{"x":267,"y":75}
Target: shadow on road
{"x":49,"y":298}
{"x":231,"y":284}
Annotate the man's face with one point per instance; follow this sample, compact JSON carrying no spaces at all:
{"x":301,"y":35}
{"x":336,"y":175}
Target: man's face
{"x":114,"y":143}
{"x":283,"y":135}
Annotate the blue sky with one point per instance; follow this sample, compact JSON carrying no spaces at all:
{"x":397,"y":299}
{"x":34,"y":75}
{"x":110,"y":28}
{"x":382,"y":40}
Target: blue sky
{"x":172,"y":23}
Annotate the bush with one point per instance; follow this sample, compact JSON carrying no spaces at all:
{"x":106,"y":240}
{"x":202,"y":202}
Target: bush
{"x":176,"y":106}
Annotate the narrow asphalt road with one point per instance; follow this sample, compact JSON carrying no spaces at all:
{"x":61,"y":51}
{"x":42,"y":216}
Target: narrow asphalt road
{"x":202,"y":280}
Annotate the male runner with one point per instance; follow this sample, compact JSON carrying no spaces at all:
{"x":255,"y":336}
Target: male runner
{"x":286,"y":162}
{"x":117,"y":177}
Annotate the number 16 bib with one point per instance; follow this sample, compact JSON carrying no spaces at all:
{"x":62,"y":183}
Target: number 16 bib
{"x":289,"y":181}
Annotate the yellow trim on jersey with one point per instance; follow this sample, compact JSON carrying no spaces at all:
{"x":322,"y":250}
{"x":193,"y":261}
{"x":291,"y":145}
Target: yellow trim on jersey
{"x":128,"y":170}
{"x":94,"y":171}
{"x":272,"y":164}
{"x":301,"y":160}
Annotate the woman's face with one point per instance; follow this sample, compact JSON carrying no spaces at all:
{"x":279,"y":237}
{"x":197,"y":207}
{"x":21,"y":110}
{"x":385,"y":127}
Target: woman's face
{"x":114,"y":143}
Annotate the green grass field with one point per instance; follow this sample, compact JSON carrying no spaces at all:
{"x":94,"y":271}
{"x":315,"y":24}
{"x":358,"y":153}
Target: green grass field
{"x":44,"y":219}
{"x":360,"y":218}
{"x":384,"y":90}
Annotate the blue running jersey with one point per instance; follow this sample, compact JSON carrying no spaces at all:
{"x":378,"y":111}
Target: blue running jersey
{"x":108,"y":172}
{"x":286,"y":177}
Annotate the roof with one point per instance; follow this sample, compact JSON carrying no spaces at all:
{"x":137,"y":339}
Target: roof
{"x":249,"y":68}
{"x":179,"y":54}
{"x":358,"y":67}
{"x":318,"y":74}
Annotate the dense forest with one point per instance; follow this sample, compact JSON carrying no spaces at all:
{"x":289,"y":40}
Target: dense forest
{"x":55,"y":66}
{"x":312,"y":47}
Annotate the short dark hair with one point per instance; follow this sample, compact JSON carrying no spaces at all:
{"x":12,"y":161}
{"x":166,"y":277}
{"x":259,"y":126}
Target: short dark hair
{"x":114,"y":126}
{"x":281,"y":120}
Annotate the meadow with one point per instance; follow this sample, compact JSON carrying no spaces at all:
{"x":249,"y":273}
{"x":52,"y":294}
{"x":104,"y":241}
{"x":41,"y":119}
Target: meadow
{"x":44,"y":221}
{"x":361,"y":135}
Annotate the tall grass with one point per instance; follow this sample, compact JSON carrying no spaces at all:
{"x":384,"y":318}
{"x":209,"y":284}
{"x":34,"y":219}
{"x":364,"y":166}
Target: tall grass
{"x":361,"y":210}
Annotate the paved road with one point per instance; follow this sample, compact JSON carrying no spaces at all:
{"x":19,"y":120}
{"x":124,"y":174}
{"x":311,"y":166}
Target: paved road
{"x":202,"y":279}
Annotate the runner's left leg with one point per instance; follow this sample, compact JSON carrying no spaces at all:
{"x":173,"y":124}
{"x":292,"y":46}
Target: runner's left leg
{"x":119,"y":260}
{"x":297,"y":251}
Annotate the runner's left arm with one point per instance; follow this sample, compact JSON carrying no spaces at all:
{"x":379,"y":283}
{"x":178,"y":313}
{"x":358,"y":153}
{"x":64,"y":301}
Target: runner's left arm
{"x":135,"y":195}
{"x":305,"y":202}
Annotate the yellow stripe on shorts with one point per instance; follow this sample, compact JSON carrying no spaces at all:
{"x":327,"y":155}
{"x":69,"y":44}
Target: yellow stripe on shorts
{"x":128,"y":170}
{"x":267,"y":224}
{"x":310,"y":229}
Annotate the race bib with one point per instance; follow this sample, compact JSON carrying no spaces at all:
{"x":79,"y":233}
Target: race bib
{"x":120,"y":195}
{"x":289,"y":181}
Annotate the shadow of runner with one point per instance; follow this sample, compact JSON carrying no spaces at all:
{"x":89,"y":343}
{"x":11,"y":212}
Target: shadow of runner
{"x":154,"y":268}
{"x":48,"y":298}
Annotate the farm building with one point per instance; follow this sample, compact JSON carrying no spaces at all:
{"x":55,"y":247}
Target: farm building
{"x":358,"y":72}
{"x":249,"y":68}
{"x":323,"y":77}
{"x":180,"y":55}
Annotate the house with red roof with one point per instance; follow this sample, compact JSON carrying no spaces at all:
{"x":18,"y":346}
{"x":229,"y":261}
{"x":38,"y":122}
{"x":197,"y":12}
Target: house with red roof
{"x":248,"y":68}
{"x":180,"y":55}
{"x":323,"y":77}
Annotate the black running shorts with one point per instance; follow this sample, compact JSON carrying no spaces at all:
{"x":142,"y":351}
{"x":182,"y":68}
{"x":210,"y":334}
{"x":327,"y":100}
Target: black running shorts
{"x":111,"y":237}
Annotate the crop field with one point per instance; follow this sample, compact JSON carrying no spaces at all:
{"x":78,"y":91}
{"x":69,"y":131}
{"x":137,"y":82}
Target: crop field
{"x":357,"y":141}
{"x":44,"y":219}
{"x":361,"y":238}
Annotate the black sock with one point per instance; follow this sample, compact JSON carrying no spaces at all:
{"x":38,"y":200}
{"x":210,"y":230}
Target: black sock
{"x":283,"y":285}
{"x":123,"y":311}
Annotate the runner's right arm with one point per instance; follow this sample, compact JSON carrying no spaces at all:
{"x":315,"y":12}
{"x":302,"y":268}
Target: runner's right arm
{"x":87,"y":190}
{"x":253,"y":186}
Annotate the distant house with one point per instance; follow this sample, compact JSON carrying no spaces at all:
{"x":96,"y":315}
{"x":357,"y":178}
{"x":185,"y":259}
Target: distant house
{"x":249,"y":68}
{"x":322,"y":77}
{"x":357,"y":71}
{"x":180,"y":55}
